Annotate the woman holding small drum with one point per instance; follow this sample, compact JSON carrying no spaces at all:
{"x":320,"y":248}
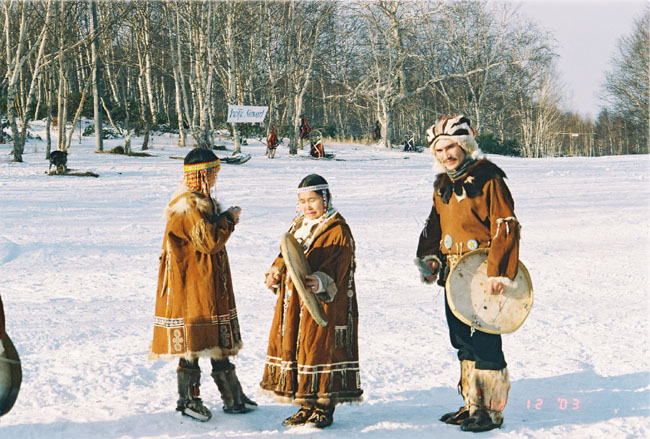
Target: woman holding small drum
{"x":314,"y":366}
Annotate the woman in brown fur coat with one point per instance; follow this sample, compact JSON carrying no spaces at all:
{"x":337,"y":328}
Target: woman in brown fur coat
{"x":196,"y":315}
{"x":315,"y":367}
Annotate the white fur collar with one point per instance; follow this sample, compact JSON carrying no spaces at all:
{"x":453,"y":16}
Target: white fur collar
{"x":308,"y":230}
{"x":183,"y":200}
{"x":303,"y":232}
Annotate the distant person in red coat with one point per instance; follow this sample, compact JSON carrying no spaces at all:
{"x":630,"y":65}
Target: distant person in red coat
{"x":376,"y":133}
{"x":272,"y":144}
{"x":305,"y":129}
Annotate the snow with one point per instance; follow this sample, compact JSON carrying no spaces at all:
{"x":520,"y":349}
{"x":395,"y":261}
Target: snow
{"x":79,"y":264}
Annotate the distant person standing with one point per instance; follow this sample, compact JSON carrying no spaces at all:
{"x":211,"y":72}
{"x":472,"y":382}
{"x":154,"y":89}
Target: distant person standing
{"x":305,"y":130}
{"x":195,"y":314}
{"x":472,"y":209}
{"x":272,"y":144}
{"x":376,"y":133}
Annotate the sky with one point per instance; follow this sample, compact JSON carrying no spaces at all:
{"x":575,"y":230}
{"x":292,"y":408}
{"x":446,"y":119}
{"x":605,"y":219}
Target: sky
{"x":587,"y":33}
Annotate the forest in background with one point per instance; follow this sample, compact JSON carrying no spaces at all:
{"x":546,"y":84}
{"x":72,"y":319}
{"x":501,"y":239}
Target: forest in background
{"x":175,"y":66}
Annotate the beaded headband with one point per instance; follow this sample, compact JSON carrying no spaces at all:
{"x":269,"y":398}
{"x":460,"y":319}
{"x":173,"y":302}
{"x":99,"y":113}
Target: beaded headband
{"x":196,"y":176}
{"x":201,"y":166}
{"x":318,"y":187}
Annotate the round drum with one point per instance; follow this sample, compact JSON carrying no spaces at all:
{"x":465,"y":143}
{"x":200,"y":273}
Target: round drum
{"x":298,"y":268}
{"x":472,"y":304}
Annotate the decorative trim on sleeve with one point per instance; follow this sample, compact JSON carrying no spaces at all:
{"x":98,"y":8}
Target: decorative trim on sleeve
{"x":507,"y":221}
{"x":199,"y":234}
{"x":326,"y":286}
{"x":275,"y":271}
{"x":504,"y":280}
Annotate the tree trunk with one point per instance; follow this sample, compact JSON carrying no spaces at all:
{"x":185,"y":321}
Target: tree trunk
{"x":13,"y":75}
{"x":232,"y":71}
{"x":176,"y":65}
{"x":50,"y":106}
{"x":96,"y":73}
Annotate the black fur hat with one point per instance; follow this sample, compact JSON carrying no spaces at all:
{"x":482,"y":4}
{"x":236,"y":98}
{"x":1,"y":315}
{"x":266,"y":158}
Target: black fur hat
{"x":200,"y":155}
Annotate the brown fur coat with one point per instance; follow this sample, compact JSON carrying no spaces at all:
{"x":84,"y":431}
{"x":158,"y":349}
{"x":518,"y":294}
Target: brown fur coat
{"x":305,"y":362}
{"x":196,"y":315}
{"x":474,"y":211}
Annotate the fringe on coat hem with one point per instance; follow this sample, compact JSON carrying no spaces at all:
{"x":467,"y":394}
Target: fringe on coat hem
{"x":300,"y":401}
{"x":217,"y":353}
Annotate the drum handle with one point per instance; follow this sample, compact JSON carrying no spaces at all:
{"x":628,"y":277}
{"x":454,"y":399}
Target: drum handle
{"x":9,"y":361}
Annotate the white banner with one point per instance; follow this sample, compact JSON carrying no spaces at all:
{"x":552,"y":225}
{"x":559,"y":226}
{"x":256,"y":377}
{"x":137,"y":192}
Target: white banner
{"x":246,"y":114}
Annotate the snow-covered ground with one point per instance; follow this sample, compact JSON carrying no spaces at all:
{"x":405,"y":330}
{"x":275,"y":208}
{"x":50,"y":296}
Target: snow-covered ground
{"x":79,"y":262}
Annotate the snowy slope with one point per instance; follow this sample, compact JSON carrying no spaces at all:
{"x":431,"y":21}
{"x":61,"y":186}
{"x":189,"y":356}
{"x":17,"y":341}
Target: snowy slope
{"x":79,"y":262}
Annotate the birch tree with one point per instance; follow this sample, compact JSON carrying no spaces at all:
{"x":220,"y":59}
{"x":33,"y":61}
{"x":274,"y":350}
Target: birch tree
{"x":304,"y":20}
{"x":387,"y":37}
{"x":172,"y":15}
{"x":626,"y":89}
{"x":96,"y":74}
{"x":201,"y":50}
{"x":16,"y":59}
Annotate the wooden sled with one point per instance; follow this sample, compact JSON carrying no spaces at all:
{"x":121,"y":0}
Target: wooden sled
{"x":237,"y":159}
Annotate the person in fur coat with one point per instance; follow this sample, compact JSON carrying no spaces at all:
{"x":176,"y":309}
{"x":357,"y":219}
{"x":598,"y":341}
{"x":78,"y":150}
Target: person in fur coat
{"x":472,"y":208}
{"x":196,"y":315}
{"x":312,"y":366}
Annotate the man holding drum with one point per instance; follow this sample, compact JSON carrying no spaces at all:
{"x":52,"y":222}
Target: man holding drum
{"x":472,"y":209}
{"x":312,"y":358}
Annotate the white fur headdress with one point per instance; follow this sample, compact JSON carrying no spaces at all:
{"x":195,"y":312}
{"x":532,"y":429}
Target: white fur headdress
{"x":458,"y":129}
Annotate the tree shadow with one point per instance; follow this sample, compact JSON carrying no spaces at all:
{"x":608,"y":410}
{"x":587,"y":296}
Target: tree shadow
{"x":167,"y":424}
{"x":536,"y":404}
{"x":533,"y":404}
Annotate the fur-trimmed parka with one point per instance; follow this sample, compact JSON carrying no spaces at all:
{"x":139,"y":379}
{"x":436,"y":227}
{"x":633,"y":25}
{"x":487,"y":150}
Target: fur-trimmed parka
{"x":473,"y":211}
{"x":306,"y":363}
{"x":196,"y":315}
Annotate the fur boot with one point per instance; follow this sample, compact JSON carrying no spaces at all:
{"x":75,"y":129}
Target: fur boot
{"x":234,"y":400}
{"x":457,"y":417}
{"x":189,"y":403}
{"x":300,"y":417}
{"x":488,"y":396}
{"x":321,"y":417}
